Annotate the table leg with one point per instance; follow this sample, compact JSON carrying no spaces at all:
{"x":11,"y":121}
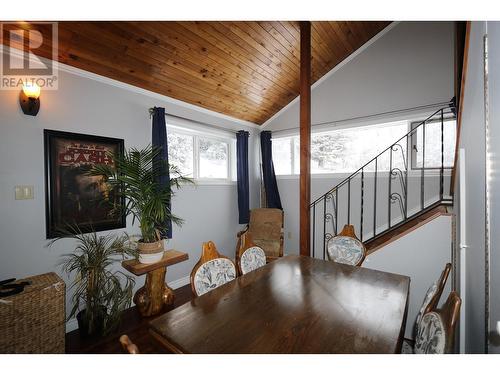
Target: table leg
{"x":155,"y":294}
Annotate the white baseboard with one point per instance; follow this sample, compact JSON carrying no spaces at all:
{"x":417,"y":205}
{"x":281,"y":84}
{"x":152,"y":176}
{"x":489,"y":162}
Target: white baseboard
{"x":72,"y":324}
{"x":179,"y":282}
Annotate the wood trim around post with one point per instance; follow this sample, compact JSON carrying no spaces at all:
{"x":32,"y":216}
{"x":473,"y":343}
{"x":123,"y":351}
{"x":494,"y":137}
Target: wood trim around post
{"x":305,"y":138}
{"x":460,"y":105}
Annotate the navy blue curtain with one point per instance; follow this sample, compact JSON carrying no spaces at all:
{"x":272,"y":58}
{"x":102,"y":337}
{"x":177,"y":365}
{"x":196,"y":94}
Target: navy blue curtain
{"x":242,"y":174}
{"x":159,"y":140}
{"x":270,"y":185}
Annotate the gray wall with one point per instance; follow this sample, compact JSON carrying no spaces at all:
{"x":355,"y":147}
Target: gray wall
{"x":494,"y":155}
{"x":410,"y":254}
{"x":88,"y":106}
{"x":472,"y":139}
{"x":409,"y":66}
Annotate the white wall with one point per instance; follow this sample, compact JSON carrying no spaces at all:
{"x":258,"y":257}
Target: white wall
{"x":472,"y":139}
{"x":289,"y":192}
{"x":410,"y":255}
{"x":84,"y":105}
{"x":410,"y":65}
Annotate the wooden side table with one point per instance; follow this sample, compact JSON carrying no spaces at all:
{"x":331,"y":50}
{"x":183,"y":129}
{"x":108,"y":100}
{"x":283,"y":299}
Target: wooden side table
{"x":155,"y":294}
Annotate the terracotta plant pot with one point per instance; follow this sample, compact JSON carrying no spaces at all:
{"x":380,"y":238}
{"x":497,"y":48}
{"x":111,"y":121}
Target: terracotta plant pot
{"x":150,"y":252}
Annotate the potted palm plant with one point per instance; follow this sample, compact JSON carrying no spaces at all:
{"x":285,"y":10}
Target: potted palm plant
{"x":100,"y":294}
{"x":136,"y":176}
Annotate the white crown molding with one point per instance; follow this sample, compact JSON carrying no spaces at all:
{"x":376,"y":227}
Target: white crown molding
{"x":335,"y":69}
{"x":125,"y":86}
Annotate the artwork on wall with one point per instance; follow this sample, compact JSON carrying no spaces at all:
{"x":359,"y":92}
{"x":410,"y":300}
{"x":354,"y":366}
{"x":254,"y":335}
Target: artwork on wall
{"x":72,"y":196}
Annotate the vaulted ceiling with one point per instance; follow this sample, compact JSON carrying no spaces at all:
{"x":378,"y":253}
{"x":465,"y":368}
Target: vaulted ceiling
{"x":248,"y":70}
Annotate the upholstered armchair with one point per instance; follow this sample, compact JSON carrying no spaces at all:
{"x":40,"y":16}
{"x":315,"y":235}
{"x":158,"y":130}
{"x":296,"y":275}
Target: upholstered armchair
{"x":266,"y":230}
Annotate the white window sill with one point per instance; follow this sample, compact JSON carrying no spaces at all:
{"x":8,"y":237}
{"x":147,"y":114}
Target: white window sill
{"x":411,"y":173}
{"x":202,"y":182}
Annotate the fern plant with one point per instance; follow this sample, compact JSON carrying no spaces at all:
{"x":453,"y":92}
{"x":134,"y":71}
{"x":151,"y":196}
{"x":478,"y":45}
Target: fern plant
{"x":136,"y":176}
{"x":99,"y":293}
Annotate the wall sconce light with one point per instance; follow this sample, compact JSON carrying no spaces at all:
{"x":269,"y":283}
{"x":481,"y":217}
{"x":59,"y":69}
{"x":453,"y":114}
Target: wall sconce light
{"x":29,"y":99}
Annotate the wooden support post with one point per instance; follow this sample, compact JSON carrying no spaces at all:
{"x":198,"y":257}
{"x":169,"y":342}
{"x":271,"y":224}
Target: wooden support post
{"x":305,"y":137}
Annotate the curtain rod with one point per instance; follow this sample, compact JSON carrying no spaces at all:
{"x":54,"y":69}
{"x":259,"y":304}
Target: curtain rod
{"x":151,"y":110}
{"x":442,"y":104}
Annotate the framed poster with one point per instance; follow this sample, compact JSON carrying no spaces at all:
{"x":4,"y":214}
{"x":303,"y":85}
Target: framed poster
{"x":73,"y":197}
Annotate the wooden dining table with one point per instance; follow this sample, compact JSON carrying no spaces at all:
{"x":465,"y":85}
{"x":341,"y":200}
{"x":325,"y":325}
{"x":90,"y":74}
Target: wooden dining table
{"x":295,"y":304}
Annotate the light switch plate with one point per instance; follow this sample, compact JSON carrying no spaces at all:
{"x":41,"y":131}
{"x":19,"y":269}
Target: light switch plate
{"x":23,"y":192}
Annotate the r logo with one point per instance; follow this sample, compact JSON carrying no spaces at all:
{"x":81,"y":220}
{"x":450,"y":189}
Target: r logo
{"x":27,"y":43}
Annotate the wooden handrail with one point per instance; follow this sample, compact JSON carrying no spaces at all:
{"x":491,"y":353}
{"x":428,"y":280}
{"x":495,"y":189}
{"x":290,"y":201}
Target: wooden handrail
{"x":460,"y":105}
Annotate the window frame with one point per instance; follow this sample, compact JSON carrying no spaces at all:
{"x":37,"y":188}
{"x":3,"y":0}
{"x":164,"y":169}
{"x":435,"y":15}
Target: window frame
{"x":413,"y":143}
{"x":231,"y":154}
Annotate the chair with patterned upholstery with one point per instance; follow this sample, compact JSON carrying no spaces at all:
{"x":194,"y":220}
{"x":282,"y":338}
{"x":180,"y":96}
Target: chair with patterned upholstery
{"x":436,"y":330}
{"x":346,"y":248}
{"x":211,"y":271}
{"x":250,"y":256}
{"x":431,"y":300}
{"x":266,"y":230}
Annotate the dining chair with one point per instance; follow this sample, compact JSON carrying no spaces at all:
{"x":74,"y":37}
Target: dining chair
{"x":128,"y":345}
{"x":431,"y":300}
{"x":211,"y":271}
{"x":250,"y":256}
{"x":436,"y":330}
{"x":266,"y":228}
{"x":346,"y":248}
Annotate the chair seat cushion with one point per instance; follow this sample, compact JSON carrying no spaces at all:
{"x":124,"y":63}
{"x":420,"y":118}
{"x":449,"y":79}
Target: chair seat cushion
{"x":431,"y":335}
{"x":252,"y":258}
{"x":213,"y":274}
{"x":344,"y":249}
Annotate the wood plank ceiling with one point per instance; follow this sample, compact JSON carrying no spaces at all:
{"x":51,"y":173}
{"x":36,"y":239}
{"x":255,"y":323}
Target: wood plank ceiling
{"x":248,"y":70}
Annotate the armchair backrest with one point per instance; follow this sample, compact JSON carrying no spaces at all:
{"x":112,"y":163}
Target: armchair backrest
{"x":266,"y":230}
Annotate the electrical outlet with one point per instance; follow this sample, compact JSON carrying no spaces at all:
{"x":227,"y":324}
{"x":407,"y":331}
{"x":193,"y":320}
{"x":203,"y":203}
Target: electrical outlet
{"x":23,"y":192}
{"x":289,"y":235}
{"x":498,"y":327}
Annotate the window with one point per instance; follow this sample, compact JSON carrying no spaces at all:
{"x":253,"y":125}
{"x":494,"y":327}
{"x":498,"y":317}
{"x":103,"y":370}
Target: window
{"x":339,"y":151}
{"x":213,"y":158}
{"x":200,"y":156}
{"x":180,"y":152}
{"x":433,"y":144}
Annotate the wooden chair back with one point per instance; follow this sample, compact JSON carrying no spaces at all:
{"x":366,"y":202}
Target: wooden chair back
{"x":346,"y":247}
{"x":128,"y":345}
{"x":249,"y":256}
{"x":436,"y":331}
{"x":212,"y":270}
{"x":266,"y":230}
{"x":433,"y":295}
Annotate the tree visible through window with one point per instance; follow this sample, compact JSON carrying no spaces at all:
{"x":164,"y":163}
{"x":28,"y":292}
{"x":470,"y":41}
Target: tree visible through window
{"x":180,"y":152}
{"x":198,"y":156}
{"x":213,"y":159}
{"x":343,"y":150}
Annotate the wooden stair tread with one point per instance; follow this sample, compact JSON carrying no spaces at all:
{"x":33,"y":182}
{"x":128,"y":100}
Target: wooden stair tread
{"x":407,"y":227}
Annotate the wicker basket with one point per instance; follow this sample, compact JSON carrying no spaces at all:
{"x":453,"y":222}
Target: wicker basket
{"x":34,"y":321}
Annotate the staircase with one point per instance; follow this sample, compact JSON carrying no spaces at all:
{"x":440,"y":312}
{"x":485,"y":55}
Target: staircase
{"x":397,"y":191}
